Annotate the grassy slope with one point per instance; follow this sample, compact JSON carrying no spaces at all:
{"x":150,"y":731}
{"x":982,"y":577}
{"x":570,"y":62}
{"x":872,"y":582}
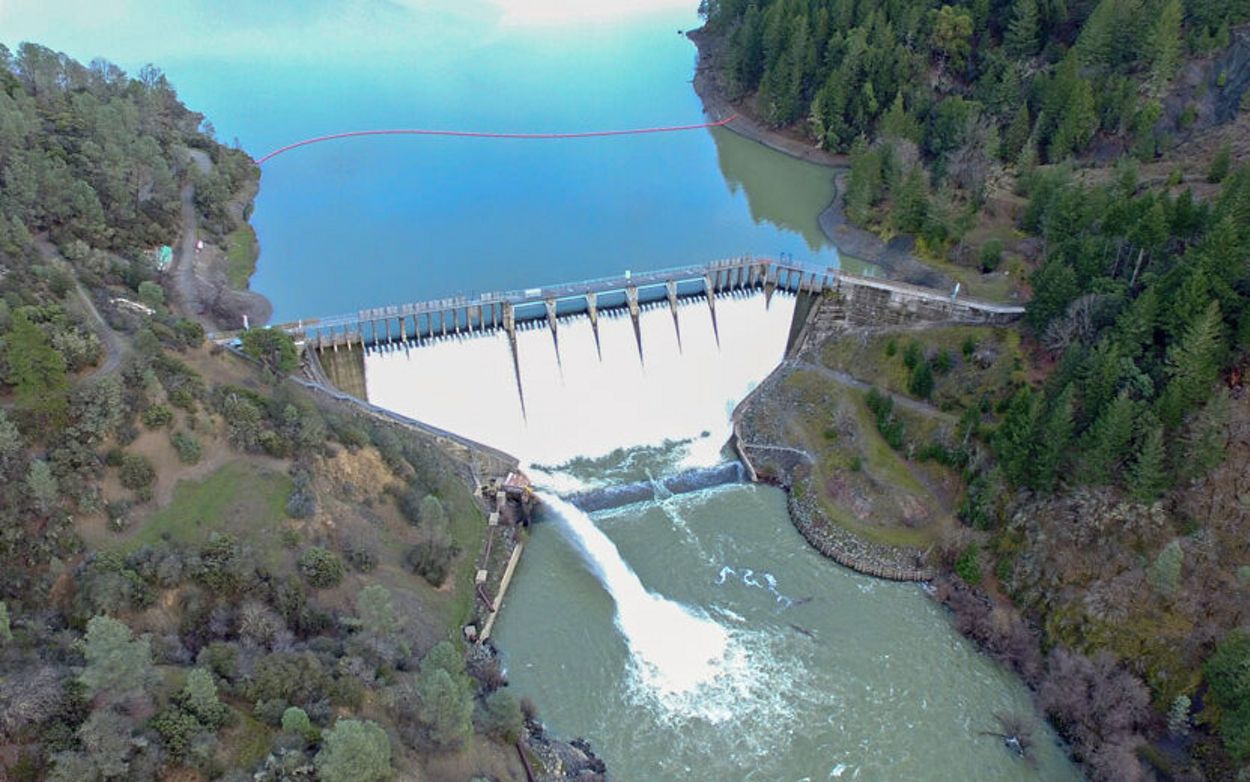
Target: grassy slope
{"x":962,"y":387}
{"x":242,"y":250}
{"x":885,"y":500}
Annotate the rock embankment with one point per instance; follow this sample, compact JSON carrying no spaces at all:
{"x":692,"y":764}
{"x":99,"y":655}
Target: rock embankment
{"x":763,"y":442}
{"x":849,"y":550}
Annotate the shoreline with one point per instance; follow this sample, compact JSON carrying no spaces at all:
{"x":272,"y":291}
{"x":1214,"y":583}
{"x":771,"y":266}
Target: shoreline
{"x":894,"y":258}
{"x":199,"y":276}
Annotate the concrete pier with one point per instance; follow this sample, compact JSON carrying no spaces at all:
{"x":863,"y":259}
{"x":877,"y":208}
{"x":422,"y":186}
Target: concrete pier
{"x":671,"y":289}
{"x":593,"y":309}
{"x":550,"y":305}
{"x":631,"y":299}
{"x":868,"y":300}
{"x":710,"y":291}
{"x":509,"y":324}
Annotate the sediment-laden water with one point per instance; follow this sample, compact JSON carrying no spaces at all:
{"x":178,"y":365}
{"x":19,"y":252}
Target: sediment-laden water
{"x":695,"y":637}
{"x":699,"y":638}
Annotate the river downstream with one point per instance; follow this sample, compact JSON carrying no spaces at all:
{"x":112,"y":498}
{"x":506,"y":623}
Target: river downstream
{"x":818,"y":673}
{"x":697,"y":637}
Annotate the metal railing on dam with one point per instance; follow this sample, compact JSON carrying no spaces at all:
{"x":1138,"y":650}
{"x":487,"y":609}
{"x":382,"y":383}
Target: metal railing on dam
{"x":867,"y":300}
{"x":505,"y":309}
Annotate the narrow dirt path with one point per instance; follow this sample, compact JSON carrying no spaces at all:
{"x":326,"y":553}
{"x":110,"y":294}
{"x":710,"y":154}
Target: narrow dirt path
{"x":111,"y":341}
{"x":114,"y":346}
{"x":182,"y":270}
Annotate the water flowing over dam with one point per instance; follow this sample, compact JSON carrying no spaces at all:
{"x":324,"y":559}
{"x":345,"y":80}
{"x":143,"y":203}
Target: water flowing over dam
{"x":587,"y":400}
{"x":581,"y":370}
{"x":665,"y":608}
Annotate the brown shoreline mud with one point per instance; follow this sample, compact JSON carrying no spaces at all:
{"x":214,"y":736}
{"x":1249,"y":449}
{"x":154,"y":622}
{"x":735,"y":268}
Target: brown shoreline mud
{"x":894,"y":258}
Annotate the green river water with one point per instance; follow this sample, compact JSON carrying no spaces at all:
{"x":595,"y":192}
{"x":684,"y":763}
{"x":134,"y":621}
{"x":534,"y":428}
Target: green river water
{"x":881,"y":689}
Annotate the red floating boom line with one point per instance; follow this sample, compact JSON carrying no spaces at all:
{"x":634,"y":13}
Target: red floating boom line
{"x":477,"y":134}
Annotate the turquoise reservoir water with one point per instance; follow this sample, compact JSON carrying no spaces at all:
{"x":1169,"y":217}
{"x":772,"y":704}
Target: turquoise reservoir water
{"x":659,"y":631}
{"x":365,"y":222}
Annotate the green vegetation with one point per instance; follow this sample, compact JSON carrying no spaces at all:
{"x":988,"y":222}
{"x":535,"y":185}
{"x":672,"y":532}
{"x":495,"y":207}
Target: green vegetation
{"x":274,"y":348}
{"x":169,"y":622}
{"x":115,"y":662}
{"x":1226,"y":670}
{"x":322,"y":568}
{"x":354,"y":751}
{"x":242,"y":250}
{"x":1170,"y":322}
{"x":235,"y":498}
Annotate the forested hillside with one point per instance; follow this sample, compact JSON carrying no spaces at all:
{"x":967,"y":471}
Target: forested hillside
{"x":1099,"y":145}
{"x":1041,"y":75}
{"x":205,"y":571}
{"x":941,"y":105}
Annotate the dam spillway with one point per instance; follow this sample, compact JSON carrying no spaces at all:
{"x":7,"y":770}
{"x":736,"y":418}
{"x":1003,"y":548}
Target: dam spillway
{"x":583,"y":369}
{"x":583,"y":389}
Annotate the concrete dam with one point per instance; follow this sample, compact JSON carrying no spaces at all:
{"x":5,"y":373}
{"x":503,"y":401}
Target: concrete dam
{"x":578,"y":371}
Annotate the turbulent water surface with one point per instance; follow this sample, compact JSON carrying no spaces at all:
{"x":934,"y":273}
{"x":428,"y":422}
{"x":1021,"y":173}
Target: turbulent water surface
{"x":689,"y":638}
{"x":699,"y":638}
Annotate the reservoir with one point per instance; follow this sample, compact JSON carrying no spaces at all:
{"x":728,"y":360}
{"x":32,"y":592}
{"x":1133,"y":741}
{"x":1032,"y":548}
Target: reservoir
{"x":691,"y":638}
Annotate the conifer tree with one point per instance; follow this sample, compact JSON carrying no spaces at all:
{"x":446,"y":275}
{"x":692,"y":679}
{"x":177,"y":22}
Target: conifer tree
{"x":1079,"y":122}
{"x":1013,"y":439}
{"x":911,"y":207}
{"x":1052,"y":441}
{"x":921,"y":382}
{"x":897,"y":123}
{"x":1108,"y":440}
{"x":1022,"y":31}
{"x":1017,"y":135}
{"x":863,"y":181}
{"x":38,"y":372}
{"x":1163,"y":46}
{"x":1193,"y":364}
{"x":1148,"y":479}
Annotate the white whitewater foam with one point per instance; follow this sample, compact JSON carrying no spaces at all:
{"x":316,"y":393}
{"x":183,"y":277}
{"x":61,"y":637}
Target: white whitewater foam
{"x":580,"y":405}
{"x":676,"y":650}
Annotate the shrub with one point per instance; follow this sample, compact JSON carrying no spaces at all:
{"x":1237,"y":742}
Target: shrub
{"x":137,"y":474}
{"x":321,"y":567}
{"x":177,"y":729}
{"x":188,"y":448}
{"x":991,"y":255}
{"x":189,"y":333}
{"x":943,"y":363}
{"x":295,"y":720}
{"x":273,"y":347}
{"x":501,"y":717}
{"x":151,"y":294}
{"x":891,"y":347}
{"x":360,"y":557}
{"x":302,"y":502}
{"x":157,"y":416}
{"x":431,"y":558}
{"x":294,"y":678}
{"x":354,"y":751}
{"x":968,"y":565}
